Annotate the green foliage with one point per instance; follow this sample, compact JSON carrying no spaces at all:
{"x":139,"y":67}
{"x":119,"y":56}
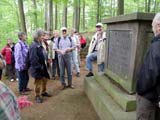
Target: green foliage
{"x":9,"y":14}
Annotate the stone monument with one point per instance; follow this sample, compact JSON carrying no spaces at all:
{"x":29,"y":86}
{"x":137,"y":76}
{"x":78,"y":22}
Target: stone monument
{"x":113,"y":94}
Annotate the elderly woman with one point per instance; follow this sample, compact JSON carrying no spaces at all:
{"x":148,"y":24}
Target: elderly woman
{"x":148,"y":79}
{"x":38,"y":67}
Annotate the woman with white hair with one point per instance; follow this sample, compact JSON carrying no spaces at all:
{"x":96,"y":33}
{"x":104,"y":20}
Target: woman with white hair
{"x":148,"y":79}
{"x":38,"y":68}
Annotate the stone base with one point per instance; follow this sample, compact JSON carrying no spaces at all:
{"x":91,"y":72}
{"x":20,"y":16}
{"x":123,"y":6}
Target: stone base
{"x":127,"y":102}
{"x":105,"y":106}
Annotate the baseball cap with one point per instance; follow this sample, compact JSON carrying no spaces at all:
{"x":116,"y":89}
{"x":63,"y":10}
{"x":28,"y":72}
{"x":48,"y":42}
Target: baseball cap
{"x":99,"y":24}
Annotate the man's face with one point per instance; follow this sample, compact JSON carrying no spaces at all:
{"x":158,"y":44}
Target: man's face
{"x":45,"y":37}
{"x":41,"y":38}
{"x":9,"y":41}
{"x":56,"y":34}
{"x":64,"y":33}
{"x":23,"y":37}
{"x":158,"y":28}
{"x":98,"y":28}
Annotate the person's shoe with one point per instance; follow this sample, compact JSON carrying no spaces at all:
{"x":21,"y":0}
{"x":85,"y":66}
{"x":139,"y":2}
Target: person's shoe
{"x":23,"y":93}
{"x":27,"y":90}
{"x":89,"y":74}
{"x":12,"y":80}
{"x":45,"y":94}
{"x":38,"y":99}
{"x":53,"y":77}
{"x":100,"y":73}
{"x":63,"y":87}
{"x":70,"y":86}
{"x":78,"y":74}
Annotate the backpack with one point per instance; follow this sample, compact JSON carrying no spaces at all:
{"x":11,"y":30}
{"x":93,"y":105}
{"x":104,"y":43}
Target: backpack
{"x":60,"y":39}
{"x":1,"y":63}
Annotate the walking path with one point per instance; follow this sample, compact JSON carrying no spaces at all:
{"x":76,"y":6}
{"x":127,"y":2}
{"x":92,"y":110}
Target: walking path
{"x":68,"y":104}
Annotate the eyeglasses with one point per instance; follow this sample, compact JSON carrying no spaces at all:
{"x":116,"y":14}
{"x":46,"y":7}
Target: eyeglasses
{"x":64,"y":31}
{"x":98,"y":26}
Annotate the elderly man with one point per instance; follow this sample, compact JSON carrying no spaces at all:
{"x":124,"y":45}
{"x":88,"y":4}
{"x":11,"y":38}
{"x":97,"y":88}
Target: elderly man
{"x":38,"y":67}
{"x":148,"y":80}
{"x":94,"y":48}
{"x":64,"y":46}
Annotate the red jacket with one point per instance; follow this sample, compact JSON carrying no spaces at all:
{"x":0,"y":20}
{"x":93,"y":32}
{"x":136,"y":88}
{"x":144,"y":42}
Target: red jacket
{"x":7,"y":54}
{"x":83,"y":40}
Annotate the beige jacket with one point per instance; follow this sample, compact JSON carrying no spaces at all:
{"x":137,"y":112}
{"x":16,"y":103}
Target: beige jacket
{"x":100,"y":49}
{"x":51,"y":52}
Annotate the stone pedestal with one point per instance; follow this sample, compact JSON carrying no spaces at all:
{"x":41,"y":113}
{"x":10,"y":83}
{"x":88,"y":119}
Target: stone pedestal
{"x":128,"y":38}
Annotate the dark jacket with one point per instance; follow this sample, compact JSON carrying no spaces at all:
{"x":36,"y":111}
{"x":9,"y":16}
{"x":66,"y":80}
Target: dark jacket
{"x":148,"y":79}
{"x":38,"y":67}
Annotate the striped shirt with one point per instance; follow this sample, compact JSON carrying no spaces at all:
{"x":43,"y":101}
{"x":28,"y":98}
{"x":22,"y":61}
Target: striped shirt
{"x":8,"y":104}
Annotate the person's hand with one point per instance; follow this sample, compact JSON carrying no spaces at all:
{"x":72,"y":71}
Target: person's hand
{"x":63,"y":52}
{"x":49,"y":60}
{"x":68,"y":49}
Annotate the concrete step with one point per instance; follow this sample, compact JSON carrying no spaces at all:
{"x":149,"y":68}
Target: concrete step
{"x":126,"y":101}
{"x":103,"y":103}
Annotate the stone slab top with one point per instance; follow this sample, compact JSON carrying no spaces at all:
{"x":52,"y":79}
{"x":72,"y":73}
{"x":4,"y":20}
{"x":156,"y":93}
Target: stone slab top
{"x":130,"y":17}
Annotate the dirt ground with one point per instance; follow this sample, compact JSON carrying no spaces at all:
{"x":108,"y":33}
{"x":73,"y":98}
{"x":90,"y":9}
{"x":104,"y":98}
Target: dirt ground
{"x":68,"y":104}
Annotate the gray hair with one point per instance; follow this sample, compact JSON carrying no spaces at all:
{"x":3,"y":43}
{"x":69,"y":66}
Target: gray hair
{"x":155,"y":21}
{"x":38,"y":33}
{"x":20,"y":34}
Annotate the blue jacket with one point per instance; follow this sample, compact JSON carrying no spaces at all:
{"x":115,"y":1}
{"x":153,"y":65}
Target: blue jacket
{"x":148,"y":79}
{"x":38,"y":67}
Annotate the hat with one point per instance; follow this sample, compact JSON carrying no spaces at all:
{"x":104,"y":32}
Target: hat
{"x":63,"y":28}
{"x":99,"y":24}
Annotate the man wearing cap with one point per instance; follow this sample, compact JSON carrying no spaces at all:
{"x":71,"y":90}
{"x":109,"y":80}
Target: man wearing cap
{"x":64,"y":46}
{"x":94,"y":48}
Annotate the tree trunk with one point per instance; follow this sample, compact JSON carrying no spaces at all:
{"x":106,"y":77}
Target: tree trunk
{"x":149,"y":4}
{"x":22,"y":17}
{"x":51,"y":15}
{"x":46,"y":15}
{"x":83,"y":20}
{"x":120,"y":8}
{"x":64,"y":17}
{"x":35,"y":14}
{"x":98,"y":11}
{"x":146,"y":5}
{"x":154,"y":6}
{"x":76,"y":15}
{"x":17,"y":14}
{"x":56,"y":17}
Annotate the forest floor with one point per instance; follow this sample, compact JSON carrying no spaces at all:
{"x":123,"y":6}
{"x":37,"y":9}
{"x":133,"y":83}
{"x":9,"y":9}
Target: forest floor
{"x":68,"y":104}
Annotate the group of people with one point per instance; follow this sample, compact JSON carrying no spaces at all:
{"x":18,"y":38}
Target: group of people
{"x":47,"y":56}
{"x":62,"y":52}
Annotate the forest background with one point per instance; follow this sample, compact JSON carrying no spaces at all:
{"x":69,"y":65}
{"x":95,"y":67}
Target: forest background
{"x":29,"y":15}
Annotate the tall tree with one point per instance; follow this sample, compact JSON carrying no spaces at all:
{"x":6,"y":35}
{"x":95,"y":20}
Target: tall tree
{"x":76,"y":14}
{"x":149,"y":5}
{"x":83,"y":19}
{"x":22,"y":16}
{"x":35,"y":14}
{"x":98,"y":11}
{"x":56,"y":17}
{"x":17,"y":14}
{"x":64,"y":16}
{"x":120,"y":7}
{"x":155,"y":6}
{"x":51,"y":15}
{"x":46,"y":15}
